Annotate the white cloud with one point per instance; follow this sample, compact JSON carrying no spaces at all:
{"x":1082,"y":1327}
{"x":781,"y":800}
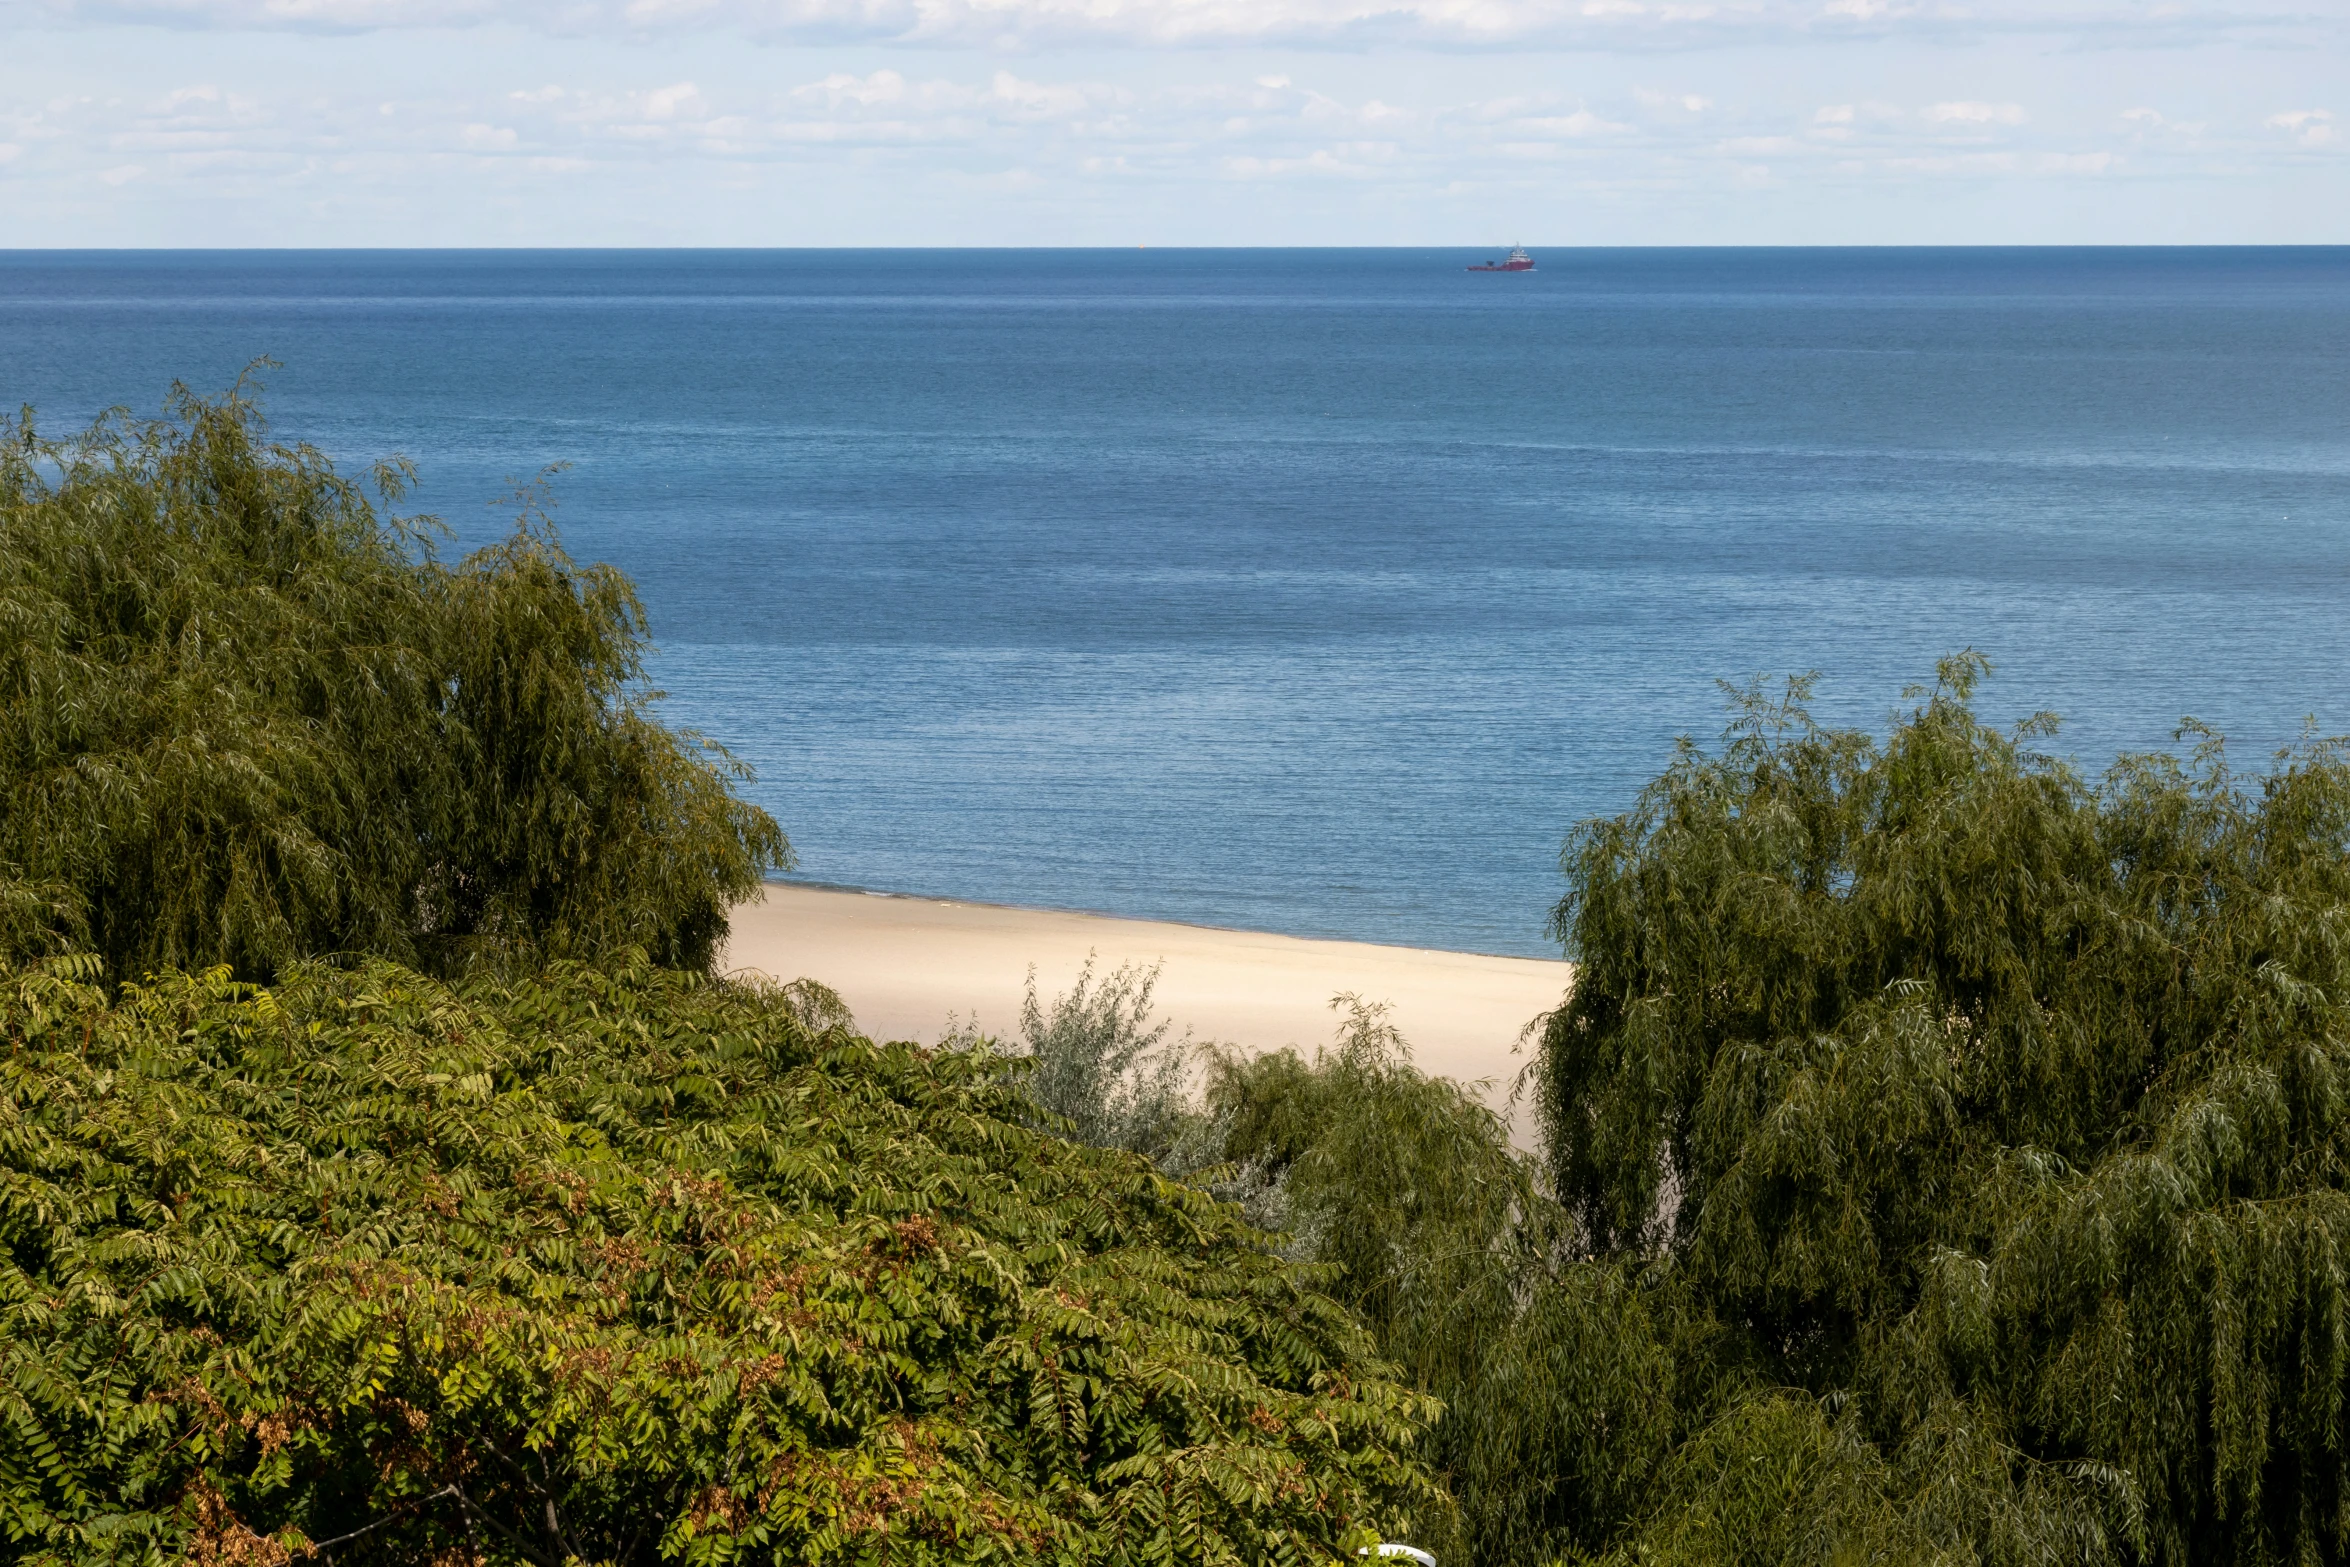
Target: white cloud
{"x":672,"y":15}
{"x":10,"y":152}
{"x":2147,"y":126}
{"x":1153,"y":140}
{"x":882,"y":87}
{"x":1965,"y":113}
{"x":1581,"y":123}
{"x":1323,"y":163}
{"x":1217,"y":23}
{"x":187,"y":113}
{"x":1970,"y":165}
{"x":2309,"y":127}
{"x":663,"y":103}
{"x":1037,"y":97}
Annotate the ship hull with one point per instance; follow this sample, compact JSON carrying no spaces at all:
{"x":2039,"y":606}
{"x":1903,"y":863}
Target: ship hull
{"x":1516,"y":261}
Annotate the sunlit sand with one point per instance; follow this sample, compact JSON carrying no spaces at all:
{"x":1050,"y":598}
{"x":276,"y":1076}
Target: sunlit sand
{"x":907,"y":965}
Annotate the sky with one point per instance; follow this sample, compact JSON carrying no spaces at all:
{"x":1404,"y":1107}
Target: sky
{"x":1172,"y":122}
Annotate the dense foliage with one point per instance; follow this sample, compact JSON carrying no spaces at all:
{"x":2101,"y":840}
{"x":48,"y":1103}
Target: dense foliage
{"x":1447,"y":1247}
{"x":1946,"y":1155}
{"x":1981,"y":1136}
{"x":1947,"y":1159}
{"x":245,"y":718}
{"x":625,"y":1265}
{"x":492,"y":1230}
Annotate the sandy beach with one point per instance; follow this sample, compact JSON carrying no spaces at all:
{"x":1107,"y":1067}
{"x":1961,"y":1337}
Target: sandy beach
{"x":906,"y":966}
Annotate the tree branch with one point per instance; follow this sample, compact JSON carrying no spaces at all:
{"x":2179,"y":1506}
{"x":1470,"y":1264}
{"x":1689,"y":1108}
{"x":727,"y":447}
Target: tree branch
{"x":389,"y":1518}
{"x":504,"y":1533}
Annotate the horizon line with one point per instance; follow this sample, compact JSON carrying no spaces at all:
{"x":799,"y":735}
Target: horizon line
{"x":1112,"y":249}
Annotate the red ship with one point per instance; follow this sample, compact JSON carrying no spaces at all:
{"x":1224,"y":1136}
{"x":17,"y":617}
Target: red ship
{"x":1519,"y":261}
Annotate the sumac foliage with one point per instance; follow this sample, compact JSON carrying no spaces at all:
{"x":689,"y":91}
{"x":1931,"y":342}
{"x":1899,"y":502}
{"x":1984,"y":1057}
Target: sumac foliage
{"x":625,"y":1265}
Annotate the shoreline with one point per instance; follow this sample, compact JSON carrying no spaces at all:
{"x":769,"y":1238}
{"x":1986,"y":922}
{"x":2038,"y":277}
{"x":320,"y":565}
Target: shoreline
{"x":910,"y":967}
{"x":1132,"y":919}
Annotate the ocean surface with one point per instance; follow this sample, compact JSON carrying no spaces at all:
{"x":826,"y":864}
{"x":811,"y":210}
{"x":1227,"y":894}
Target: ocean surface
{"x":1320,"y":591}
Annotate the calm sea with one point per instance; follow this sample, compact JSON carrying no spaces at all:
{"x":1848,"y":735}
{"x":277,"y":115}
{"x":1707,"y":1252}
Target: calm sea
{"x":1321,"y":591}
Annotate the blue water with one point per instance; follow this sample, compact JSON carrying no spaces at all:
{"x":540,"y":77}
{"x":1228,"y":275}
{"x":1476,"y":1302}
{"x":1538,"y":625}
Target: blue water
{"x":1321,"y":591}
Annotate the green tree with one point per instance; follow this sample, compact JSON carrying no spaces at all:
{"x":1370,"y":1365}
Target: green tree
{"x":1554,"y":1383}
{"x":563,"y":1251}
{"x":247,"y":717}
{"x":1979,"y":1132}
{"x":1946,"y":1159}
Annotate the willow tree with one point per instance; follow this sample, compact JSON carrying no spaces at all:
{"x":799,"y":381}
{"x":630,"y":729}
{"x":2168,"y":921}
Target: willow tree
{"x":1557,"y":1393}
{"x":248,"y":715}
{"x":1981,"y":1134}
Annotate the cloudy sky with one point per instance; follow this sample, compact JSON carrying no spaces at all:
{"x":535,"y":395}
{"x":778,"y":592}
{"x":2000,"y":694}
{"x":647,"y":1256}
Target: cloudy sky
{"x":994,"y":122}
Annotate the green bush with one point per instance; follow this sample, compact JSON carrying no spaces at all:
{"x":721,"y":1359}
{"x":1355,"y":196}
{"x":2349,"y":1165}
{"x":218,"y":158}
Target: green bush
{"x":247,"y":719}
{"x":1099,"y":1068}
{"x":627,"y":1265}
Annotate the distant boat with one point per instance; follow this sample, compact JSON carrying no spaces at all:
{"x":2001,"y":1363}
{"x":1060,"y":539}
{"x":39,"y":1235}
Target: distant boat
{"x":1519,"y":261}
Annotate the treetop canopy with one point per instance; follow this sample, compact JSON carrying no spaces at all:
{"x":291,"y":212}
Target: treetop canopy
{"x":248,"y":718}
{"x":1998,"y":1115}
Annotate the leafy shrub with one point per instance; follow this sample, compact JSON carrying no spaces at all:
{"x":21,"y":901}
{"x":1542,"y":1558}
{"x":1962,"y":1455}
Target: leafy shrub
{"x":624,"y":1266}
{"x":247,"y":719}
{"x":1099,"y":1066}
